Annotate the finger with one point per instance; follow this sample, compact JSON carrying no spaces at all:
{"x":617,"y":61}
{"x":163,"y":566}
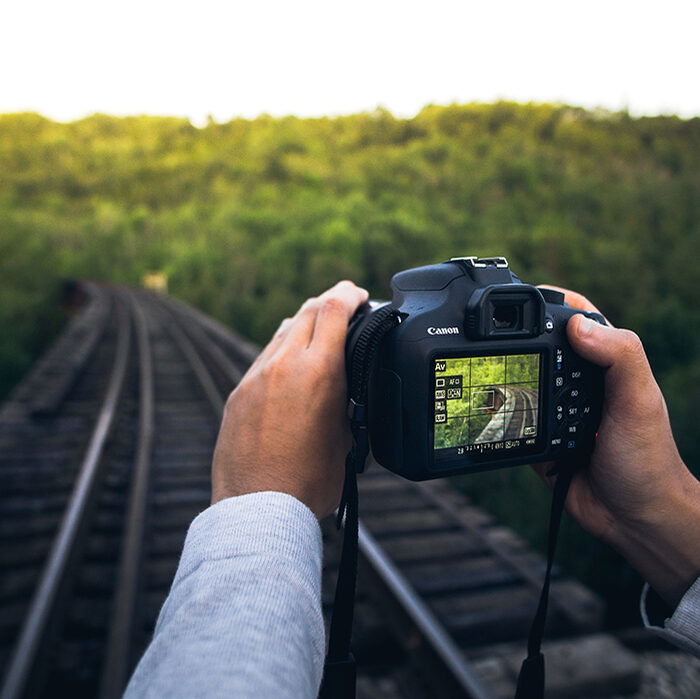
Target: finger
{"x":337,"y":308}
{"x":629,"y":382}
{"x":276,"y":340}
{"x":271,"y":347}
{"x":341,"y":290}
{"x":573,"y":298}
{"x":299,"y":332}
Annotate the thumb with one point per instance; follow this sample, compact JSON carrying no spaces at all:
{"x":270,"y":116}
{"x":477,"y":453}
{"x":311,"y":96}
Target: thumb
{"x":629,"y":382}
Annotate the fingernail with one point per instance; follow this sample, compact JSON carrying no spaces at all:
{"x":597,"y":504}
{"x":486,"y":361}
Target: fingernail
{"x":585,"y":326}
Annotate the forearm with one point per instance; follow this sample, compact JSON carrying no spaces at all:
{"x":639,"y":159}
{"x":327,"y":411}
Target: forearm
{"x":243,"y":617}
{"x":665,"y":546}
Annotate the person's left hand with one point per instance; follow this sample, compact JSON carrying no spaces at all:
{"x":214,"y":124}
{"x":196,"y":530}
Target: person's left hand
{"x":285,"y":426}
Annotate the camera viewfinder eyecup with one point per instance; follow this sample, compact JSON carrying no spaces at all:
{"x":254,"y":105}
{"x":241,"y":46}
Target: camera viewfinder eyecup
{"x":504,"y":311}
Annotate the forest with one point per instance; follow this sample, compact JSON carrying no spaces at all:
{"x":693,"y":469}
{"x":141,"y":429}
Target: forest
{"x":248,"y":218}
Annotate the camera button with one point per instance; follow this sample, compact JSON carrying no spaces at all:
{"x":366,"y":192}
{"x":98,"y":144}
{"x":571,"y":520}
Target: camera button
{"x":573,"y":429}
{"x":575,"y":374}
{"x":572,"y":411}
{"x":549,"y":324}
{"x":558,"y":359}
{"x":557,"y":442}
{"x":559,"y":411}
{"x":574,"y":394}
{"x":558,"y":380}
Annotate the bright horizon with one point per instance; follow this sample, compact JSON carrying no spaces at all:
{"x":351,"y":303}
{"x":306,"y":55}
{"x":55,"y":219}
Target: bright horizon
{"x":311,"y":58}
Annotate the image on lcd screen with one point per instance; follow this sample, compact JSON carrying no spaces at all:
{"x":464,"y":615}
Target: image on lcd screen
{"x":481,"y":402}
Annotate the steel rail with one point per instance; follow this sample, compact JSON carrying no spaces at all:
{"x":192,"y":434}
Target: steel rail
{"x":428,"y":491}
{"x":207,"y":333}
{"x":226,"y":367}
{"x":425,"y":628}
{"x":42,"y":610}
{"x":454,"y":675}
{"x":193,"y":357}
{"x":118,"y":656}
{"x":244,"y":350}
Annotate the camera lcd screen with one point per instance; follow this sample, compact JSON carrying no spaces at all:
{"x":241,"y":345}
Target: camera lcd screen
{"x":486,"y":404}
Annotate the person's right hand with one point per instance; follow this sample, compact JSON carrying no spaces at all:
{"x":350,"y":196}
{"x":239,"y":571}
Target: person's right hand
{"x":285,"y":427}
{"x":637,"y":493}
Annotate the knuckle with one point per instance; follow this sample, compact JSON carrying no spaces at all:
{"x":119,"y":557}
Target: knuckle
{"x":276,"y":369}
{"x":334,"y":305}
{"x":651,"y":407}
{"x":233,"y":398}
{"x":309,"y":305}
{"x":631,"y":343}
{"x":328,"y":364}
{"x":284,"y":325}
{"x":316,"y":372}
{"x":657,"y":402}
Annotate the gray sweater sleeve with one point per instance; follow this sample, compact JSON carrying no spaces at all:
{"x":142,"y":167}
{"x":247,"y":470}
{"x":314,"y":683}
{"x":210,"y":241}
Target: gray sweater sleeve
{"x":243,"y":617}
{"x":683,"y":627}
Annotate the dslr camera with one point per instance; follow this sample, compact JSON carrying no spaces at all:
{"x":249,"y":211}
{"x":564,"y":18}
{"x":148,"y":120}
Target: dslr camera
{"x":478,"y":375}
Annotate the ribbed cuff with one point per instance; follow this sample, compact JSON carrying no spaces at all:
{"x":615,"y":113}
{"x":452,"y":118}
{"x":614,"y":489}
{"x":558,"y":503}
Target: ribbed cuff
{"x":683,"y":627}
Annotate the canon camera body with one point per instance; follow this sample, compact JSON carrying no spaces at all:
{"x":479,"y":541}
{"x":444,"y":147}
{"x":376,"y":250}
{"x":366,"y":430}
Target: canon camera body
{"x":478,"y":375}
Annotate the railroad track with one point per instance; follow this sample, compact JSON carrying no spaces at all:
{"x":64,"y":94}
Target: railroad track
{"x":105,"y":458}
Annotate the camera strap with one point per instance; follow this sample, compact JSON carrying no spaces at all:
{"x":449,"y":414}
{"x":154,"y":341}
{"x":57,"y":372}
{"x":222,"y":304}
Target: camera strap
{"x":531,"y":678}
{"x":339,"y":675}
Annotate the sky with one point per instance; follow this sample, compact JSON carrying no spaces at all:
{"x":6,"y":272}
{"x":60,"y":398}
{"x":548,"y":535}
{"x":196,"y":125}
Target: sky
{"x":70,"y":58}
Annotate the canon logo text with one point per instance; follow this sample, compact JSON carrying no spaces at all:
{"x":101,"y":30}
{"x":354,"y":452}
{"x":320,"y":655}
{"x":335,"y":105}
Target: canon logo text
{"x":443,"y":331}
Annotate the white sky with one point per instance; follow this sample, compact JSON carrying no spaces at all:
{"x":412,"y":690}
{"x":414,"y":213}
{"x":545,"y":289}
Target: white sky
{"x":70,"y":58}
